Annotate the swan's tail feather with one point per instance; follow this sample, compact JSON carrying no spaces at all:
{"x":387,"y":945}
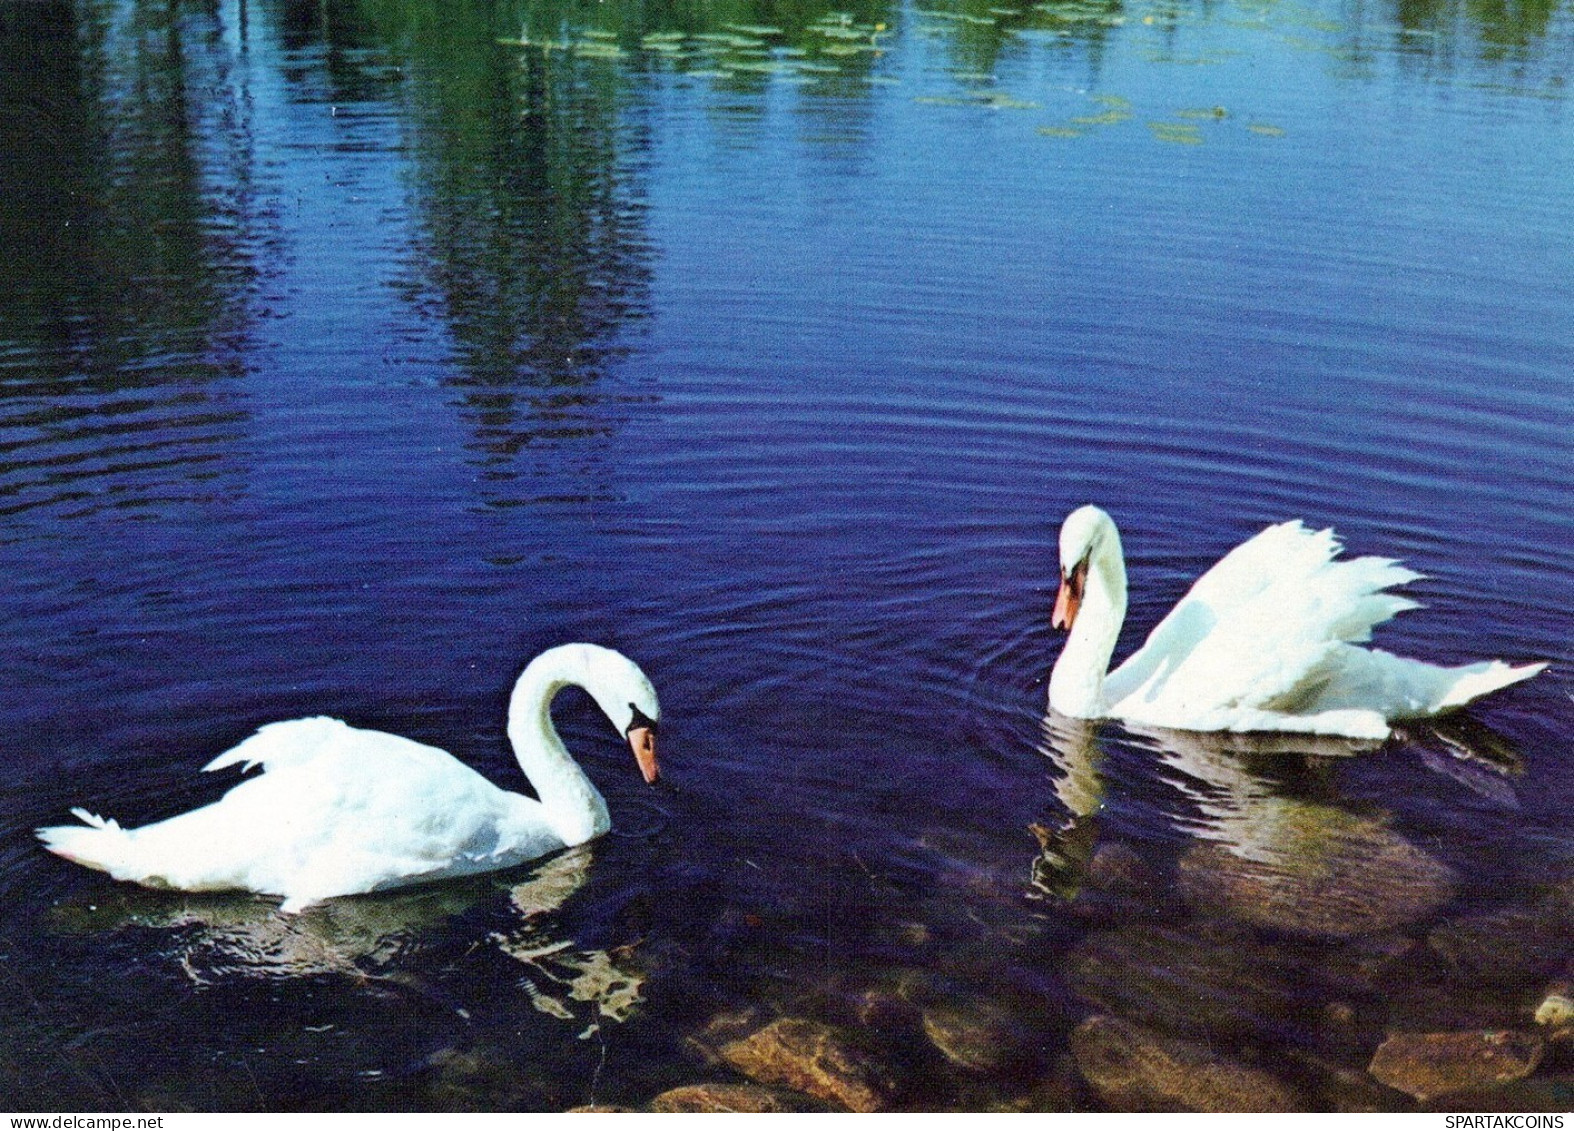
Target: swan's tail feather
{"x":1476,"y":680}
{"x":96,"y":843}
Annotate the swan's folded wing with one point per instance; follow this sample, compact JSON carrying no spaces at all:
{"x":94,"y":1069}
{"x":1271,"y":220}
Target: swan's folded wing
{"x":1263,"y":626}
{"x":291,"y":743}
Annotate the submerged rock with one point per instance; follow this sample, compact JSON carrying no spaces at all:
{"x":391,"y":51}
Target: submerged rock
{"x":1327,"y":874}
{"x":889,"y":1016}
{"x":988,"y":1029}
{"x":1534,"y":1093}
{"x":1429,"y":1002}
{"x":1060,"y":1090}
{"x":721,"y":1097}
{"x":723,"y":1028}
{"x":809,"y":1057}
{"x":1344,"y":1087}
{"x":1511,"y":945}
{"x":1210,"y":980}
{"x":1428,"y":1065}
{"x":1364,"y":965}
{"x":1135,"y":1069}
{"x":978,"y":1036}
{"x":483,"y":1078}
{"x":1555,"y":1013}
{"x":1119,"y":868}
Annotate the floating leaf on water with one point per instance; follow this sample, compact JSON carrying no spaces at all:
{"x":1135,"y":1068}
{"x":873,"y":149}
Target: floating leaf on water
{"x":540,"y":44}
{"x":754,"y":29}
{"x":597,"y":33}
{"x":1214,"y":112}
{"x":936,"y":100}
{"x":1108,"y":118}
{"x":729,"y":39}
{"x":1114,"y":101}
{"x":709,"y":74}
{"x":837,"y":32}
{"x":761,"y":68}
{"x":1302,"y":44}
{"x":846,"y":50}
{"x":1005,"y":11}
{"x":1059,"y":131}
{"x":598,"y":51}
{"x":1006,"y":102}
{"x":1176,"y":133}
{"x":818,"y":68}
{"x":1265,"y":130}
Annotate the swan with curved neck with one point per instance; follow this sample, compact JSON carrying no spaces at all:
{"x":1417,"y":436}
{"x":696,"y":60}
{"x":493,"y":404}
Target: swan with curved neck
{"x":1269,"y":639}
{"x":343,"y":811}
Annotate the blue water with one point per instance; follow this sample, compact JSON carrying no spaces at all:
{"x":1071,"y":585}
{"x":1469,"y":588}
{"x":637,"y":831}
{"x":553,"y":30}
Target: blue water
{"x":349,"y":357}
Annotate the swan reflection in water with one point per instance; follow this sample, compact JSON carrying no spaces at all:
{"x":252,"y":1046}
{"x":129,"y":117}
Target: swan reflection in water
{"x":374,"y":939}
{"x":1259,"y":849}
{"x":564,"y":981}
{"x":219,"y":936}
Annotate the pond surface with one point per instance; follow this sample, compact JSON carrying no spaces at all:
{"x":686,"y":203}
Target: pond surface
{"x":354,"y":351}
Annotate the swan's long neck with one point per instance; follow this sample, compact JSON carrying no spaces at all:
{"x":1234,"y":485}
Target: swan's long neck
{"x":1076,"y":686}
{"x":573,"y":805}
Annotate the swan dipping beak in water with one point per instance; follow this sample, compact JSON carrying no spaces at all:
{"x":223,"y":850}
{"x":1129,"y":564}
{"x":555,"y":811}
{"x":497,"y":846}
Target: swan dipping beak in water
{"x":1269,"y":639}
{"x":343,"y":811}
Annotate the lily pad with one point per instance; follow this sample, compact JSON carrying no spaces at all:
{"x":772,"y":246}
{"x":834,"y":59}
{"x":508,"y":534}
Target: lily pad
{"x":1176,"y":134}
{"x":1108,"y":118}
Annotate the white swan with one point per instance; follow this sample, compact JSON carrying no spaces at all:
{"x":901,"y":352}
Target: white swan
{"x":341,"y":811}
{"x":1266,"y":640}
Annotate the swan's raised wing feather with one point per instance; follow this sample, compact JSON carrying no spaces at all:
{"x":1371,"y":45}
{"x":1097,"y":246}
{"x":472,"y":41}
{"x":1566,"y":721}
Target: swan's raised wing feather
{"x":1263,"y":627}
{"x":291,"y":743}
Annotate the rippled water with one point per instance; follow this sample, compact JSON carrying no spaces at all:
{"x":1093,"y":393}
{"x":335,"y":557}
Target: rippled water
{"x":353,"y":352}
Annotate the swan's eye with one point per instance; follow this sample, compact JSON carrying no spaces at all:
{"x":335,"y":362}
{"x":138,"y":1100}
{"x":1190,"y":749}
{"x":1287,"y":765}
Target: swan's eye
{"x":640,"y":719}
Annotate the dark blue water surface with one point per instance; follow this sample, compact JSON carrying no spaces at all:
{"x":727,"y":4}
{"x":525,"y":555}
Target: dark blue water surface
{"x":353,"y":352}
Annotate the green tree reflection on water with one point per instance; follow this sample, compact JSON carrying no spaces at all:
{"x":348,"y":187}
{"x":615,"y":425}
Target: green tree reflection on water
{"x":123,"y":214}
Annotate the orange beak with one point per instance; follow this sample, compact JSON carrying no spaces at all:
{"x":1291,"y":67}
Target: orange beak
{"x":1069,"y":599}
{"x":642,"y":740}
